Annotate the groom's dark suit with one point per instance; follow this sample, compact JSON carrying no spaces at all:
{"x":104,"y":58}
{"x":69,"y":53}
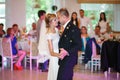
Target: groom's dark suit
{"x":71,"y":42}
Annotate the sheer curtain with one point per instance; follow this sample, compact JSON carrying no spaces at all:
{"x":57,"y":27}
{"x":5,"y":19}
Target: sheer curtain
{"x":116,"y":20}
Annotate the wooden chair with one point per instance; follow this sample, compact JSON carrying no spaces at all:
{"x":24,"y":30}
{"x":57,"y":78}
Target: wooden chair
{"x":33,"y":54}
{"x":7,"y":52}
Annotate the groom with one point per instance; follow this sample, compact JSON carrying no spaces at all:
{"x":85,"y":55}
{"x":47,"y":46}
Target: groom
{"x":70,"y":41}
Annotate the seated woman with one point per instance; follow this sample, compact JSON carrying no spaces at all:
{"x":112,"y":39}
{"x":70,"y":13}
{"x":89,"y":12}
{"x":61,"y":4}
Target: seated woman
{"x":15,"y":51}
{"x":84,"y":37}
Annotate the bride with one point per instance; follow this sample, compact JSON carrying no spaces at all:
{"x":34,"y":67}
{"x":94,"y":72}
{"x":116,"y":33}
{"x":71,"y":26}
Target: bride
{"x":52,"y":38}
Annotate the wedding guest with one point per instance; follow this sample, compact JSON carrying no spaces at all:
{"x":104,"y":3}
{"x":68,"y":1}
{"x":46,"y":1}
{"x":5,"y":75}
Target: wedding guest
{"x":75,"y":20}
{"x":98,"y":36}
{"x":16,"y":30}
{"x":41,"y":40}
{"x":33,"y":32}
{"x":103,"y":23}
{"x":15,"y":51}
{"x":2,"y":32}
{"x":84,"y":36}
{"x":41,"y":15}
{"x":108,"y":34}
{"x":85,"y":21}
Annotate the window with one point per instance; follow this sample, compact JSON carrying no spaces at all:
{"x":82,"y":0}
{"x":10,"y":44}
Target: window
{"x":2,"y":0}
{"x":93,"y":11}
{"x":32,"y":8}
{"x":2,"y":12}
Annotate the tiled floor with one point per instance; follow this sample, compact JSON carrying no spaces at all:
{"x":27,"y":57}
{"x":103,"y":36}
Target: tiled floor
{"x":79,"y":74}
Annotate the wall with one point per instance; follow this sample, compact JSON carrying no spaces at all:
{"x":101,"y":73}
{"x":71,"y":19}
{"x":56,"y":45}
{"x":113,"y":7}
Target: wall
{"x":15,"y":12}
{"x":72,"y":6}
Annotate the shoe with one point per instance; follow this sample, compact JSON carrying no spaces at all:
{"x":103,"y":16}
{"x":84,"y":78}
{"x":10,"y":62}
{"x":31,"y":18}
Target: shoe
{"x":17,"y":67}
{"x":45,"y":70}
{"x":20,"y":68}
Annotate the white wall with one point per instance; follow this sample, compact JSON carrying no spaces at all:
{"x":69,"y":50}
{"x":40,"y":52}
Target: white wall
{"x":72,"y":6}
{"x":15,"y":12}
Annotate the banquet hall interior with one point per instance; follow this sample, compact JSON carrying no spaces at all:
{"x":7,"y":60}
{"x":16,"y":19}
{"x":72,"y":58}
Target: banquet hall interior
{"x":24,"y":14}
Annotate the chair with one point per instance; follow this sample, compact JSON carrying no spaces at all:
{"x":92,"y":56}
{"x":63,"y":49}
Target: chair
{"x":1,"y":52}
{"x":7,"y":52}
{"x":81,"y":57}
{"x":84,"y":42}
{"x":33,"y":54}
{"x":93,"y":61}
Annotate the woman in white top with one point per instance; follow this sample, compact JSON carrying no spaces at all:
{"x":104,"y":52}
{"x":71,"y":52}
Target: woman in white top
{"x":52,"y":38}
{"x":75,"y":20}
{"x":103,"y":23}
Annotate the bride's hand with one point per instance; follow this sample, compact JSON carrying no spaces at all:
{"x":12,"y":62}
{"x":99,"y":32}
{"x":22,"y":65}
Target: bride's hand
{"x":63,"y":53}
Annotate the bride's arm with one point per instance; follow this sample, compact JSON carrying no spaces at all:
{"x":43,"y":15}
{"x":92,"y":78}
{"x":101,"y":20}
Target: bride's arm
{"x":52,"y":53}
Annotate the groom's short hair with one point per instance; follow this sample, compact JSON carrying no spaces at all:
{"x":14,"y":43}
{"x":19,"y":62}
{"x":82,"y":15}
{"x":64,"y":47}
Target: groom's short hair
{"x":63,"y":11}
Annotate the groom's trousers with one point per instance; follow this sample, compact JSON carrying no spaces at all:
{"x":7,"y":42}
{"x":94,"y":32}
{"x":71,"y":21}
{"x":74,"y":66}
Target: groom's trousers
{"x":65,"y":71}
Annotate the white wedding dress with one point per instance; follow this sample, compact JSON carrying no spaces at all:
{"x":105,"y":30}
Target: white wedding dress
{"x":53,"y":64}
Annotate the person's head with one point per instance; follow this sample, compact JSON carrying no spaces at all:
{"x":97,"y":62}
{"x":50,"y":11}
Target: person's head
{"x":41,"y":14}
{"x":74,"y":16}
{"x":1,"y":26}
{"x":10,"y":31}
{"x":15,"y":27}
{"x":83,"y":30}
{"x":34,"y":26}
{"x":102,"y":16}
{"x":63,"y":16}
{"x":81,"y":11}
{"x":97,"y":29}
{"x":51,"y":20}
{"x":109,"y":29}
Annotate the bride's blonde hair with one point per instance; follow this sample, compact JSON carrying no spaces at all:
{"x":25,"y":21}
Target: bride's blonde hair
{"x":49,"y":18}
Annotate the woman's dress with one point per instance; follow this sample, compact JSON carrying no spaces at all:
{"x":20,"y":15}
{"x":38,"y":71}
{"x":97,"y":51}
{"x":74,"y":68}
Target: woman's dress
{"x":53,"y":64}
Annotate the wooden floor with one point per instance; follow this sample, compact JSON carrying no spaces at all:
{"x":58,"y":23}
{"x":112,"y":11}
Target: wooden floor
{"x":79,"y":74}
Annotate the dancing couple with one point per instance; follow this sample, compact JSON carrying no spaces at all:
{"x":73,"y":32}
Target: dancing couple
{"x":63,"y":49}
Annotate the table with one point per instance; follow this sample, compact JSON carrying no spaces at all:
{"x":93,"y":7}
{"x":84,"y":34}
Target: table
{"x":110,"y":55}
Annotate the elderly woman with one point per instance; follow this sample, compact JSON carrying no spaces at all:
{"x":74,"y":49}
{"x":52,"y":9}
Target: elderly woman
{"x":15,"y":51}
